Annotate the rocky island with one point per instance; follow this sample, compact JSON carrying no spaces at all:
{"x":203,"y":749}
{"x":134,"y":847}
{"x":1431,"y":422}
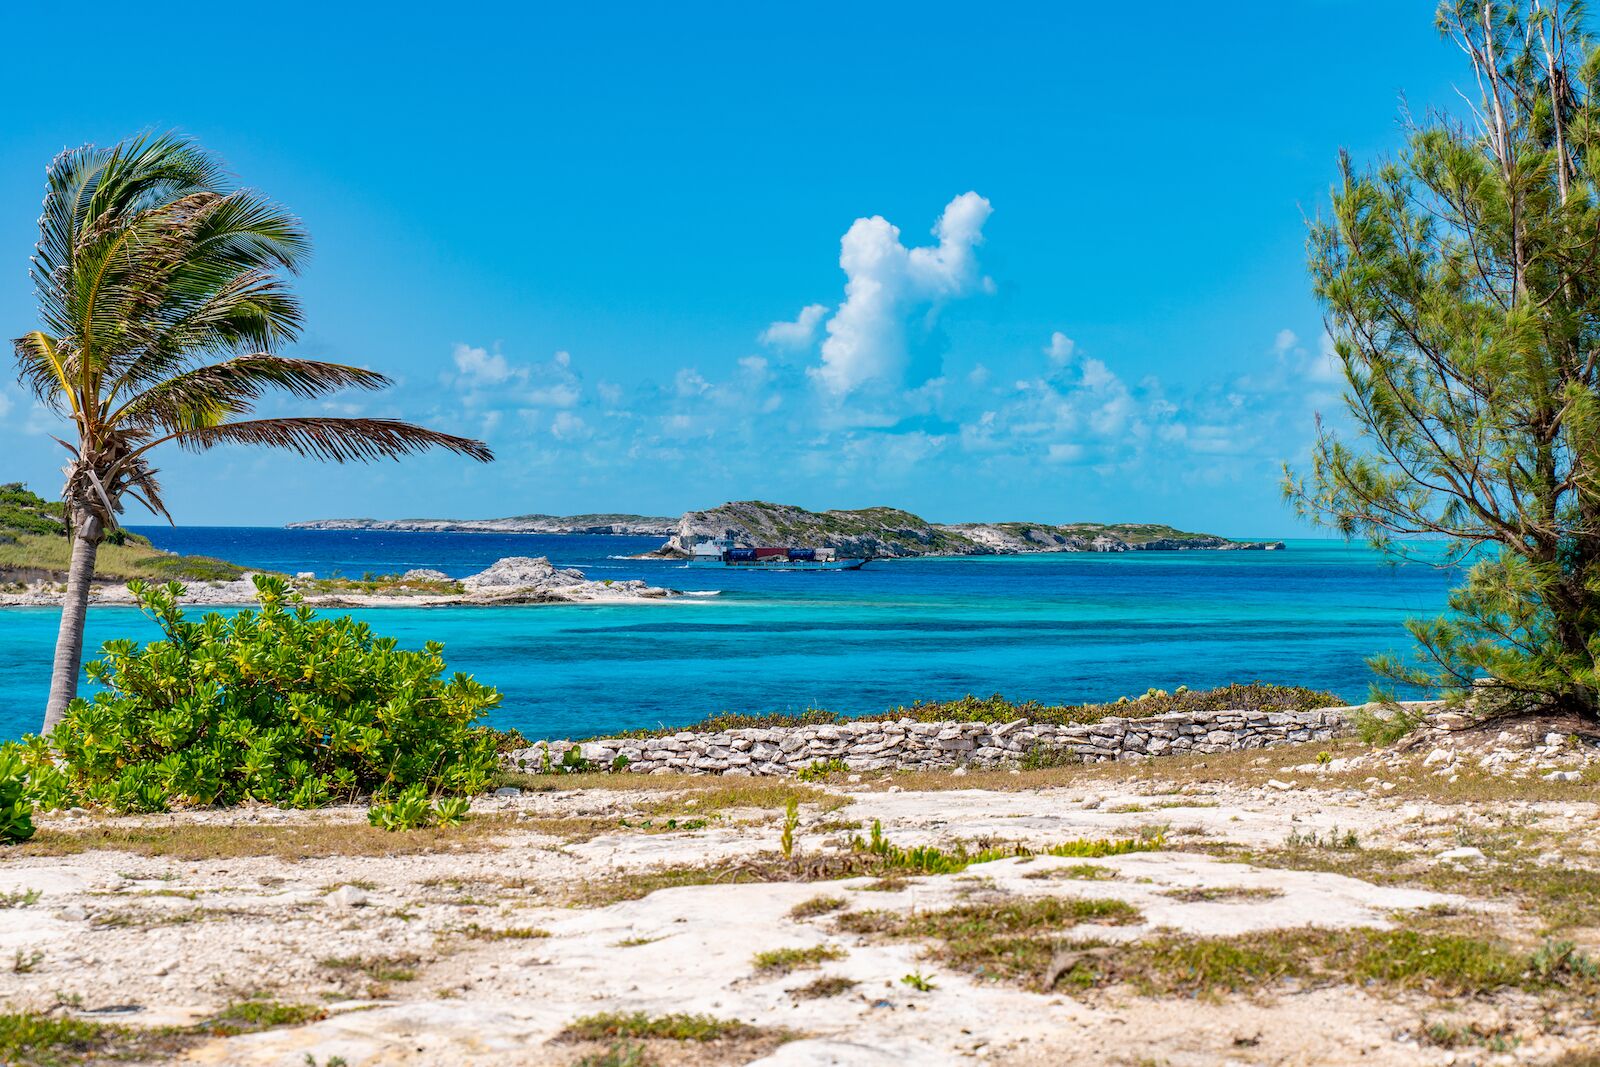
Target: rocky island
{"x":616,"y":525}
{"x":874,"y":533}
{"x":890,"y":533}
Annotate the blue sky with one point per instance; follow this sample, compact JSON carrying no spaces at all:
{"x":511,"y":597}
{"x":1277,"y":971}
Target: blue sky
{"x":665,"y":256}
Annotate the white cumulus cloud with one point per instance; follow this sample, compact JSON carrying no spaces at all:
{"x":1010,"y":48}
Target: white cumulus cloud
{"x":799,"y":333}
{"x":888,"y":283}
{"x":1060,"y":348}
{"x":480,"y":368}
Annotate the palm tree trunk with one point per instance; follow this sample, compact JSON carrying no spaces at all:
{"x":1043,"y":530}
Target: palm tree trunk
{"x":74,"y":607}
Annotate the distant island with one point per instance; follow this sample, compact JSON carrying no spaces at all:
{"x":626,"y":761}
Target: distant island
{"x":876,"y":533}
{"x":619,"y":525}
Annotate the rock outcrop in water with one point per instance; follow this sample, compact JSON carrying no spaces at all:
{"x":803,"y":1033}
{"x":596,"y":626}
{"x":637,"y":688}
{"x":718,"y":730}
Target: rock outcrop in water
{"x":525,"y":577}
{"x":889,"y":533}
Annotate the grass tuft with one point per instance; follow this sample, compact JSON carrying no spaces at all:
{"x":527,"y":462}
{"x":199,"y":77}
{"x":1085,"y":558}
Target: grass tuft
{"x":785,"y":960}
{"x":610,"y":1026}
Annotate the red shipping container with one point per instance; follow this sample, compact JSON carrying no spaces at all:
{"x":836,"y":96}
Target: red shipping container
{"x":768,"y":553}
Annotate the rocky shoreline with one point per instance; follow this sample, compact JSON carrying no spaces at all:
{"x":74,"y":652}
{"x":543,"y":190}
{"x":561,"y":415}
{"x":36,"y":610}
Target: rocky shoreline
{"x":513,"y":580}
{"x":906,"y":744}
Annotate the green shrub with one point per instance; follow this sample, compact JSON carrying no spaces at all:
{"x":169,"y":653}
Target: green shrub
{"x":16,"y":807}
{"x":819,"y":770}
{"x":275,"y":705}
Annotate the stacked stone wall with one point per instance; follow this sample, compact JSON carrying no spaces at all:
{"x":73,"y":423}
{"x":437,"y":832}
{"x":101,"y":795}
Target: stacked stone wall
{"x":904,"y":744}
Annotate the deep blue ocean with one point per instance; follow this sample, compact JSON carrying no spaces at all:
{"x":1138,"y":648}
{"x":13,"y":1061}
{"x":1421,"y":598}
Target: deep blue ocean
{"x":1056,"y":628}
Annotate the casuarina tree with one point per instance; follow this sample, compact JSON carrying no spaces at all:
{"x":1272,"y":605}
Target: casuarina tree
{"x":1461,"y":286}
{"x":163,"y":308}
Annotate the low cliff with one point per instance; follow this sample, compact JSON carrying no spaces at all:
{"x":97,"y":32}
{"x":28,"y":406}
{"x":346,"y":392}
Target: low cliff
{"x":889,"y":533}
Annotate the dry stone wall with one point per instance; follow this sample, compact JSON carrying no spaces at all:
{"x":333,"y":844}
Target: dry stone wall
{"x":907,"y":744}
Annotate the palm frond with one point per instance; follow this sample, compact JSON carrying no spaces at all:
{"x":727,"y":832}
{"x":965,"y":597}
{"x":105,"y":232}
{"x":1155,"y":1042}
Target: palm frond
{"x":234,"y":385}
{"x":41,"y":366}
{"x":335,"y":439}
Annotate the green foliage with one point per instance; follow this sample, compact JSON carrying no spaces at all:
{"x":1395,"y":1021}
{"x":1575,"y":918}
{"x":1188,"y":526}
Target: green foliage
{"x":25,"y":512}
{"x":16,"y":806}
{"x":1385,"y":724}
{"x":819,"y":770}
{"x":412,"y":811}
{"x":928,"y":859}
{"x":408,"y":811}
{"x":275,"y":705}
{"x":791,"y":820}
{"x":1460,"y":291}
{"x":784,"y":960}
{"x":450,"y":811}
{"x":919,"y":981}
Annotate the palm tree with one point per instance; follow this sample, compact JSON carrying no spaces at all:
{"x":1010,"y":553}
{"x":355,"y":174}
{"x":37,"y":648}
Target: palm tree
{"x":162,"y":299}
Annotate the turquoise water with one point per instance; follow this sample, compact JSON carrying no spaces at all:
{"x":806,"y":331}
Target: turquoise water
{"x":1059,"y":628}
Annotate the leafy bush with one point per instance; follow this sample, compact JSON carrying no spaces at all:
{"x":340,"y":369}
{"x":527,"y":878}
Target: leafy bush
{"x":16,"y":807}
{"x":274,"y":705}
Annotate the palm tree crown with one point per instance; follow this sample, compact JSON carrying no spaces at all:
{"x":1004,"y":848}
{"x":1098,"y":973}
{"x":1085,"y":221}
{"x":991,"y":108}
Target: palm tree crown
{"x":163,"y":303}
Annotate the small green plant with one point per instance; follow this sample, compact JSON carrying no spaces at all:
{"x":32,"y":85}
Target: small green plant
{"x":26,"y":962}
{"x":791,"y":820}
{"x":1324,"y":757}
{"x":819,"y":770}
{"x":1043,"y":757}
{"x":408,"y":811}
{"x":810,"y":909}
{"x":22,"y":899}
{"x":828,"y":985}
{"x":918,"y":981}
{"x":16,"y":806}
{"x":784,"y":960}
{"x":411,"y":810}
{"x":1333,"y":840}
{"x":451,"y":811}
{"x":1555,"y":960}
{"x":249,"y":1016}
{"x":620,"y":1054}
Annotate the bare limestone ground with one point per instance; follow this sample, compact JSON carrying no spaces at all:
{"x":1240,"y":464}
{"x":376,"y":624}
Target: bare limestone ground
{"x":1300,"y":905}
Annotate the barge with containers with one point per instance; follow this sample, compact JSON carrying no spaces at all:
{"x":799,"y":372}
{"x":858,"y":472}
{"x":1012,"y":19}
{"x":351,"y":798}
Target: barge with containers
{"x":728,"y":554}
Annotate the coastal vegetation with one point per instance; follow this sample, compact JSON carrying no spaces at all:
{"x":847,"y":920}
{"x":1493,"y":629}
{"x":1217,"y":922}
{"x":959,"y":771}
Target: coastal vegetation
{"x":1460,"y":285}
{"x":34,"y":541}
{"x":274,"y":705}
{"x":162,"y":306}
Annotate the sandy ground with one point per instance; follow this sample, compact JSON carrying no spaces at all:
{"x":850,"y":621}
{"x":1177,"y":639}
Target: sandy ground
{"x":152,"y":939}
